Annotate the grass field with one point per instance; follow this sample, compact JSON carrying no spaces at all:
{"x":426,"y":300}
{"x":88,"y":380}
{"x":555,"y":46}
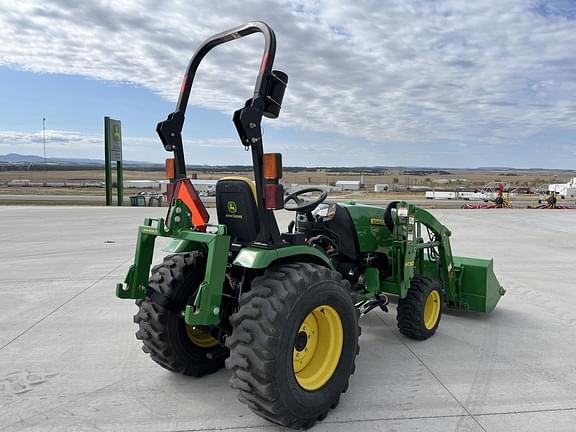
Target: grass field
{"x":456,"y":178}
{"x":404,"y":186}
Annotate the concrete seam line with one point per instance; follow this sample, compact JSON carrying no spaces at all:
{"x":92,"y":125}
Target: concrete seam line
{"x":64,"y":304}
{"x":434,"y":416}
{"x":323,"y":422}
{"x":80,"y":279}
{"x":238,"y":428}
{"x":536,"y":411}
{"x":66,"y":403}
{"x":435,"y":377}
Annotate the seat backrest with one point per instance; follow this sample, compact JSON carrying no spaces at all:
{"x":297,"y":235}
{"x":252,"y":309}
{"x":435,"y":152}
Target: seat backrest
{"x":236,"y":208}
{"x":342,"y":226}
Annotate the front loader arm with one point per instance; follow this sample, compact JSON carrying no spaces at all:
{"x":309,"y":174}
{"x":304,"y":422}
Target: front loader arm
{"x":441,"y":240}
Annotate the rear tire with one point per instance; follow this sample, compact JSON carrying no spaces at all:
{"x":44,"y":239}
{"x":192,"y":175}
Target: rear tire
{"x":164,"y":334}
{"x":420,"y":311}
{"x":293,"y":312}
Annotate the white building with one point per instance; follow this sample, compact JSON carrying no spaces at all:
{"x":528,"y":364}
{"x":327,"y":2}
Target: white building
{"x":381,"y":187}
{"x":565,"y":190}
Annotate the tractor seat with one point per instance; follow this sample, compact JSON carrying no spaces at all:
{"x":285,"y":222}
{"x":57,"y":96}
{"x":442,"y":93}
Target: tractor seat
{"x":236,"y":208}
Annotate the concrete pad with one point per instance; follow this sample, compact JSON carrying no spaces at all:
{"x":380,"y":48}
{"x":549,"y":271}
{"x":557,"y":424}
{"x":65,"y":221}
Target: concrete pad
{"x":555,"y":420}
{"x":69,"y":359}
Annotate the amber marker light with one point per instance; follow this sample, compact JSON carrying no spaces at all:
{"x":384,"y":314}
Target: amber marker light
{"x":272,"y":166}
{"x":170,"y":169}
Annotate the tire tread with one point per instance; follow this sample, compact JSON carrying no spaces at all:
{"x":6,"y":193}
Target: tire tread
{"x":256,"y":333}
{"x":153,"y":319}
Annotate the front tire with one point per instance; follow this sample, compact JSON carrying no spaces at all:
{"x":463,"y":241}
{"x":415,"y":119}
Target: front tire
{"x":172,"y":343}
{"x":294,"y":344}
{"x":420,"y":311}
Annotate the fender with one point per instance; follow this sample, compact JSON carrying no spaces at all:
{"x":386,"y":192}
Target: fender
{"x":177,"y":245}
{"x":259,"y":258}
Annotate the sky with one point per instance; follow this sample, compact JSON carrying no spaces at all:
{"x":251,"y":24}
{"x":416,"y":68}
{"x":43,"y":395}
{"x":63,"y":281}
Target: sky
{"x":431,"y":83}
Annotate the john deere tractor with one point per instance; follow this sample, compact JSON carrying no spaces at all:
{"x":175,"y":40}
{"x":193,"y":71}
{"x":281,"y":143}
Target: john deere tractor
{"x":281,"y":309}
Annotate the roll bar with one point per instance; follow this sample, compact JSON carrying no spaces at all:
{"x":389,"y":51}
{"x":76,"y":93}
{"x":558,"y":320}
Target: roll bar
{"x":227,"y":36}
{"x":170,"y":130}
{"x":266,"y":101}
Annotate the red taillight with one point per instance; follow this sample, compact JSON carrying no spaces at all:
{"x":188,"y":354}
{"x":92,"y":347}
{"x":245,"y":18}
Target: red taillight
{"x":273,"y":196}
{"x":272,"y":172}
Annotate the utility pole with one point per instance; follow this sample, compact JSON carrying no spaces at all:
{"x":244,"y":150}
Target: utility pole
{"x":44,"y":141}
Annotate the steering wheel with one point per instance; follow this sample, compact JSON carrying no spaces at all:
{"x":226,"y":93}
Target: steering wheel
{"x":301,"y":205}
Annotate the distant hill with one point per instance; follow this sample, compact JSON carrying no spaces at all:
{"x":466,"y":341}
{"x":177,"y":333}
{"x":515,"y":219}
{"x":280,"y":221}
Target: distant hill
{"x":19,"y":161}
{"x":18,"y":158}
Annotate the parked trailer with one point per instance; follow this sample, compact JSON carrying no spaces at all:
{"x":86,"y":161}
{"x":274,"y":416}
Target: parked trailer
{"x":349,"y":185}
{"x":141,"y":184}
{"x":467,"y":196}
{"x":441,"y":195}
{"x":474,"y":196}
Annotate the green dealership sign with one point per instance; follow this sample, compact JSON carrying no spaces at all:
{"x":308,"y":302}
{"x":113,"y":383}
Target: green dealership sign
{"x":115,"y":138}
{"x":113,"y":152}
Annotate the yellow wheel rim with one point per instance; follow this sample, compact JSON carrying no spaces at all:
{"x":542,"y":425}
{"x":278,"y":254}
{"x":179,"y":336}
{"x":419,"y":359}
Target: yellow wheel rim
{"x":432,"y":309}
{"x":318,"y":347}
{"x":201,"y":339}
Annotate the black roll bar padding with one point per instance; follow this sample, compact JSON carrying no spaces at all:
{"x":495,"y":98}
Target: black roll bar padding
{"x":278,"y":81}
{"x":170,"y":133}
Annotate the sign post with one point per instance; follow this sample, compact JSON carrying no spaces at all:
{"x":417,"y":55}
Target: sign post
{"x":113,"y":152}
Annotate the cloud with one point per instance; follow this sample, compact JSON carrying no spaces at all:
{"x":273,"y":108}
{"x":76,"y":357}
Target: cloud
{"x":396,"y":72}
{"x":221,"y":143}
{"x":73,"y":144}
{"x":31,"y":141}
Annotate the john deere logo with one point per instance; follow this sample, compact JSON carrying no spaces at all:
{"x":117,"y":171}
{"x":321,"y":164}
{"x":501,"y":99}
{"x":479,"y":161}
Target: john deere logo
{"x":116,"y":131}
{"x":231,"y":206}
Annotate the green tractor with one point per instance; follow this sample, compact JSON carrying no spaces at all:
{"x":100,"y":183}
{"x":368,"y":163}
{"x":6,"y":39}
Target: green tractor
{"x":281,"y":309}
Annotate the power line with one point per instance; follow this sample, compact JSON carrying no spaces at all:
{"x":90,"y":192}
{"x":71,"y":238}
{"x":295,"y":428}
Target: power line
{"x":44,"y":141}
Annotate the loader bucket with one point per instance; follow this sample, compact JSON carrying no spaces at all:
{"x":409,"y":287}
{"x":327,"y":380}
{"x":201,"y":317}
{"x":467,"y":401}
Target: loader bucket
{"x":479,"y":288}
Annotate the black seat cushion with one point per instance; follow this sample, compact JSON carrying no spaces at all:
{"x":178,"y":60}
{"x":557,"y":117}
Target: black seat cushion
{"x":236,"y":208}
